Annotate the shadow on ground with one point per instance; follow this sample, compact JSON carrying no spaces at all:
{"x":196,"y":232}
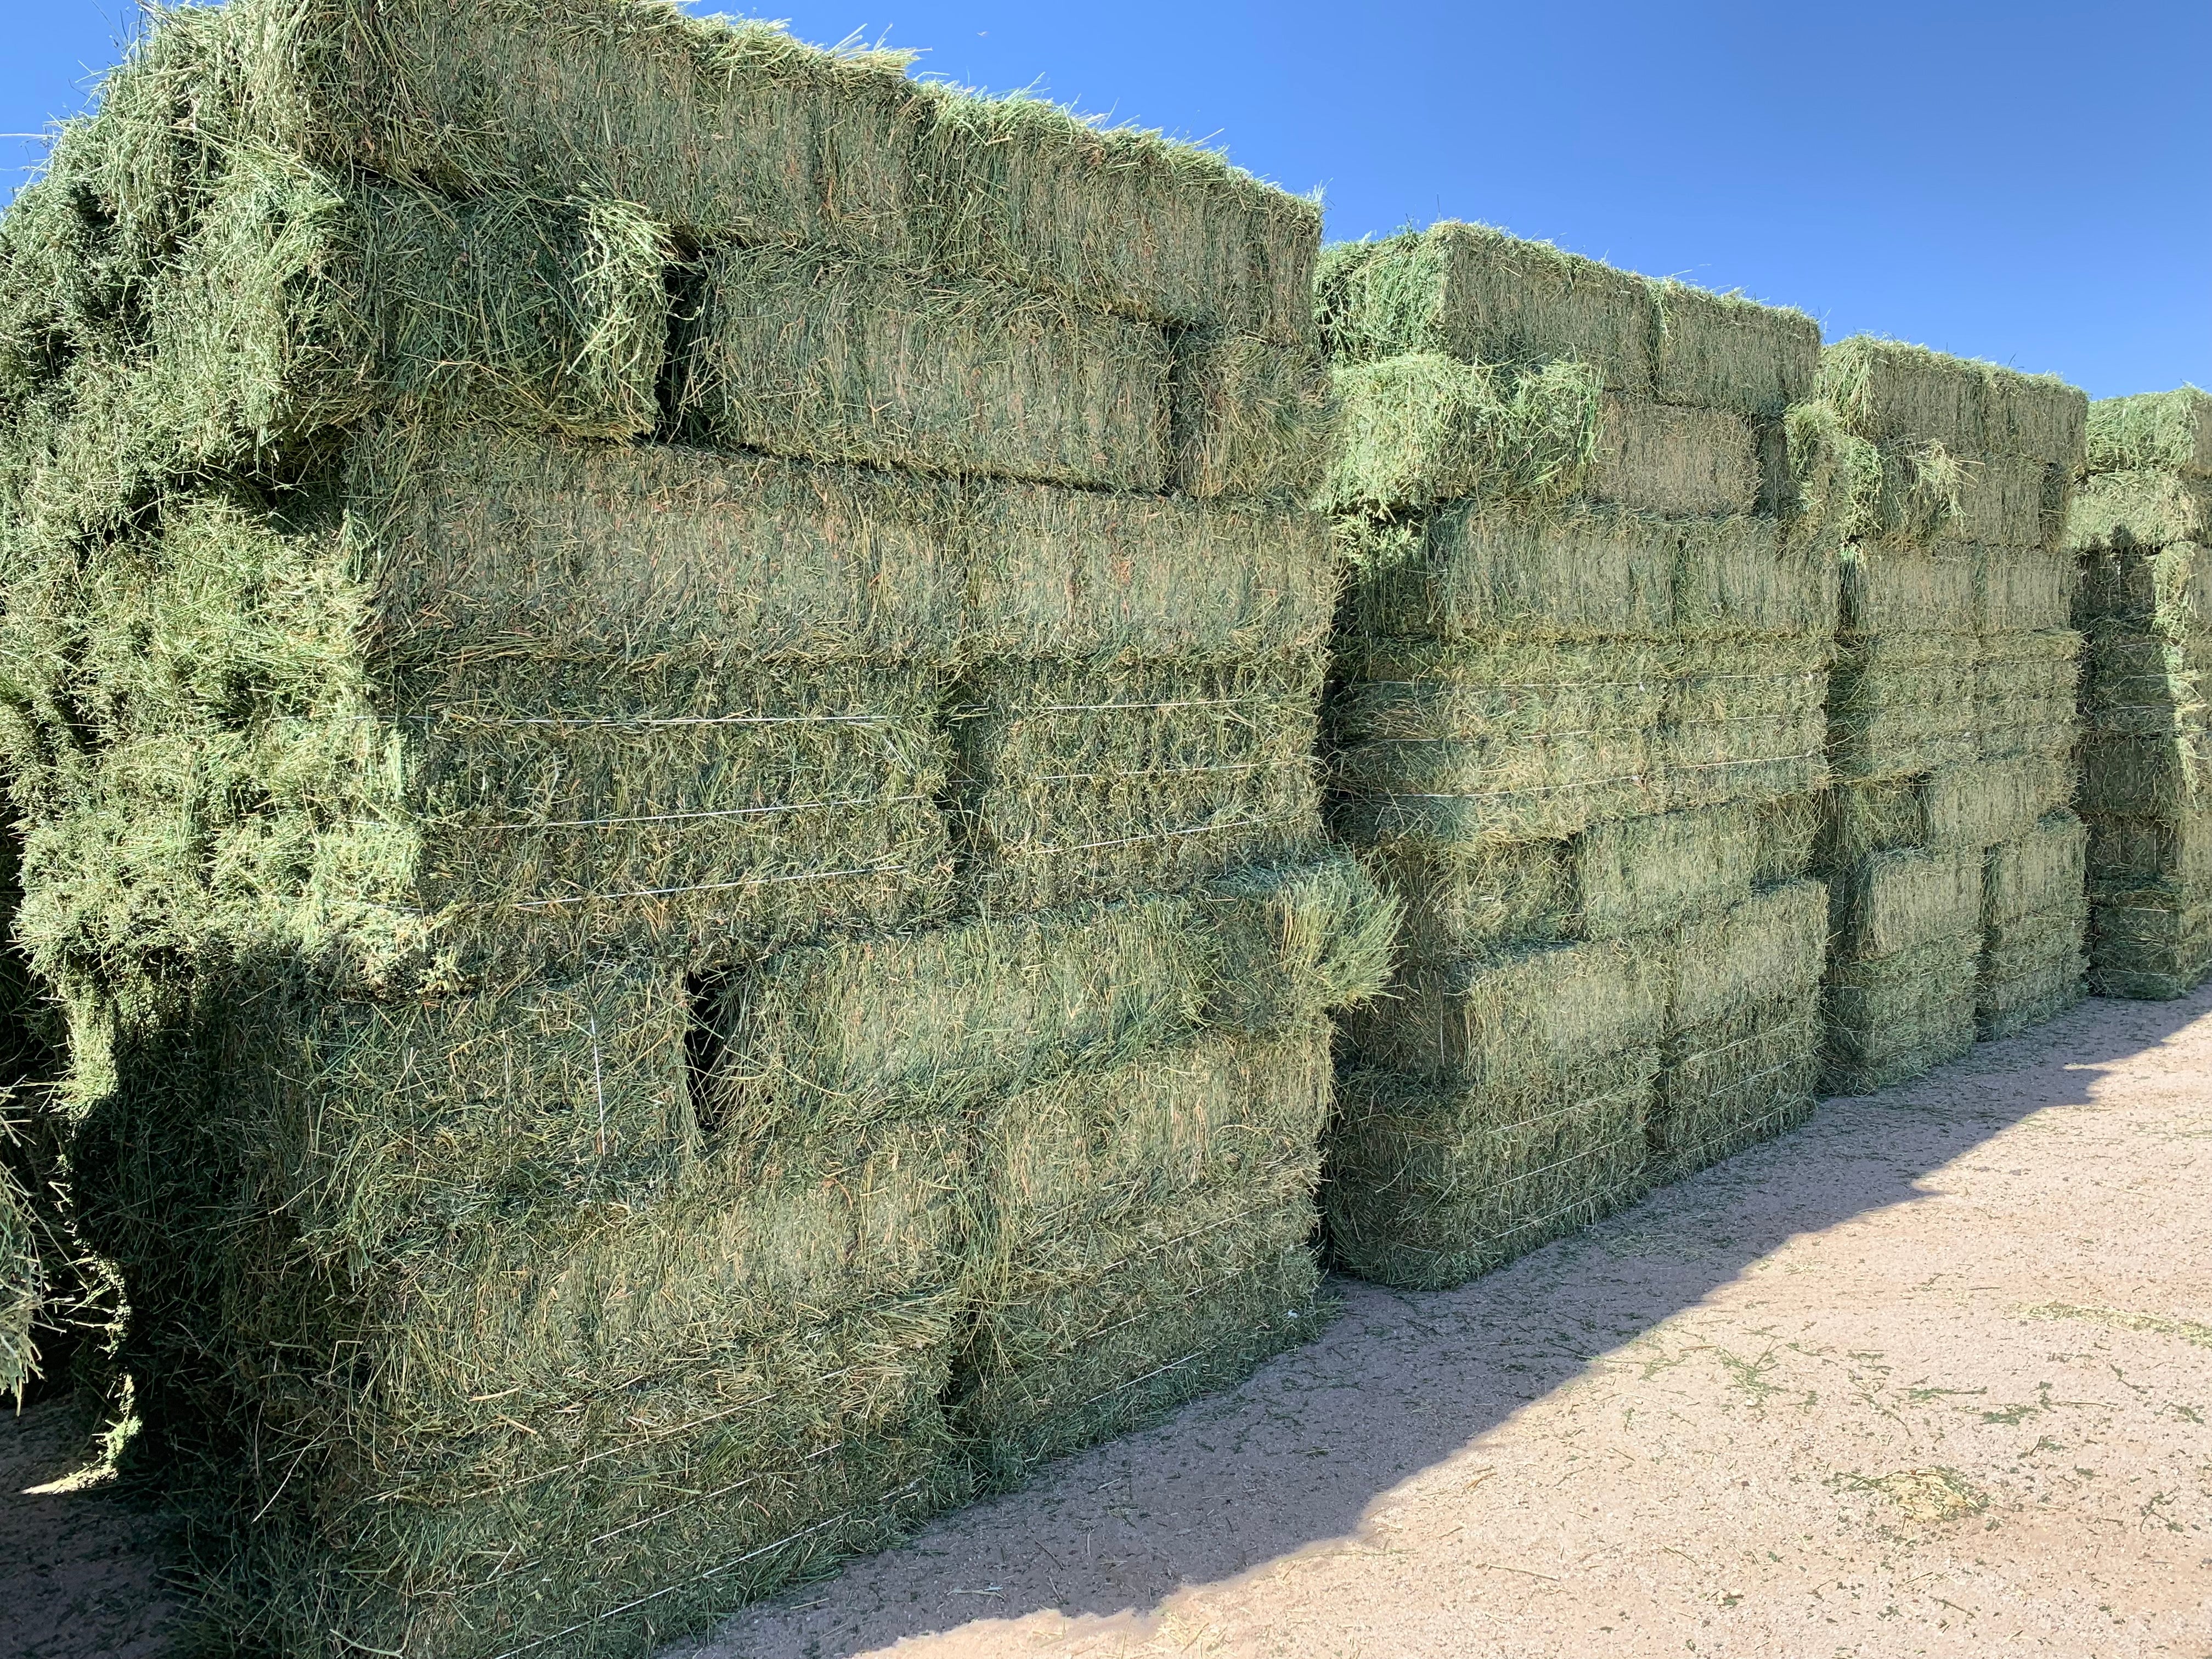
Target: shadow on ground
{"x":1292,"y":1459}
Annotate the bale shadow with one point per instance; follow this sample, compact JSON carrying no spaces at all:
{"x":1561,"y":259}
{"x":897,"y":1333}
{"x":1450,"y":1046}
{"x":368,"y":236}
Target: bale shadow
{"x":1295,"y":1456}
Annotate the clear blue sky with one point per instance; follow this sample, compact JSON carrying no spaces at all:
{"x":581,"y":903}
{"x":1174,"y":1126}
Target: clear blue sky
{"x":2029,"y":183}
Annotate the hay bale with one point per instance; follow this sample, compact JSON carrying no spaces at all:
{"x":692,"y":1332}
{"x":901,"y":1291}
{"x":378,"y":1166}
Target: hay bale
{"x":2025,"y":692}
{"x":2034,"y":915}
{"x":1247,"y":417}
{"x":1892,"y":393}
{"x":1421,"y":429}
{"x":1891,"y":1017}
{"x":1743,"y":1077}
{"x":1148,"y":1239}
{"x":1722,"y":351}
{"x":2145,"y":509}
{"x":2145,"y":604}
{"x":803,"y":357}
{"x":1476,"y":294}
{"x":1428,"y":1184}
{"x":1899,"y":704}
{"x":2023,"y":590}
{"x":1900,"y":900}
{"x":2155,"y":431}
{"x":1889,"y":590}
{"x":21,"y":1289}
{"x":1077,"y":783}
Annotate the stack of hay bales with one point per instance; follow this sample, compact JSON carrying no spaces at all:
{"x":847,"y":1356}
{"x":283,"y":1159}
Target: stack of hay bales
{"x":662,"y":692}
{"x":1578,"y":734}
{"x":1950,"y":847}
{"x":2141,"y":526}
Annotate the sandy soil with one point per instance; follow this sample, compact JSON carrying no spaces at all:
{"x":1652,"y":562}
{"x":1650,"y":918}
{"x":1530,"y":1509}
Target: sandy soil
{"x":1932,"y":1376}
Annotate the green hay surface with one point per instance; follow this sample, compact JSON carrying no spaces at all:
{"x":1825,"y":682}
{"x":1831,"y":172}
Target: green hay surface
{"x":2033,"y":969}
{"x":1890,"y":393}
{"x":1424,"y":428}
{"x":1473,"y":572}
{"x":1068,"y":573}
{"x":1148,"y":1240}
{"x":1418,"y":430}
{"x":1524,"y":1015}
{"x":1247,"y":418}
{"x":2042,"y":873}
{"x":956,"y":1013}
{"x":1902,"y":590}
{"x":1899,"y":704}
{"x":1632,"y":874}
{"x":1770,"y":944}
{"x":1474,"y":293}
{"x":2154,"y":431}
{"x":2026,"y":686}
{"x":1729,"y":1084}
{"x":2165,"y":591}
{"x":1903,"y":495}
{"x":1898,"y":900}
{"x":2023,"y":590}
{"x":1078,"y":783}
{"x":2140,"y":509}
{"x":806,"y":357}
{"x":2146,"y":777}
{"x":725,"y":129}
{"x":1456,"y":744}
{"x":2134,"y":852}
{"x":1994,"y":799}
{"x":2145,"y":686}
{"x":1890,"y":1018}
{"x":1426,"y":1187}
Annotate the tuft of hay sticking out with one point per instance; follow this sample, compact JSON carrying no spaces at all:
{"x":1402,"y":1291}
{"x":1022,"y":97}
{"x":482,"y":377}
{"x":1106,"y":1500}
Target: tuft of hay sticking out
{"x":22,"y":1282}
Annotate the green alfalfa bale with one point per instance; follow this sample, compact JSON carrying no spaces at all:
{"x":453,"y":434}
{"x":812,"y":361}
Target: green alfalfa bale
{"x":2153,"y":431}
{"x":1476,"y":294}
{"x":958,"y":1014}
{"x":1741,"y":578}
{"x":1662,"y":457}
{"x":1724,"y":351}
{"x":2165,"y":591}
{"x":2024,"y":590}
{"x":1745,"y":720}
{"x":1890,"y":1018}
{"x":2145,"y":509}
{"x":2034,"y":915}
{"x":1147,"y":1239}
{"x":1889,"y":590}
{"x":1526,"y":1014}
{"x":1994,"y":798}
{"x":1454,"y":743}
{"x":1077,"y":574}
{"x":1900,"y":704}
{"x":480,"y":542}
{"x":829,"y":360}
{"x":1908,"y":494}
{"x":1899,"y":901}
{"x":448,"y":1426}
{"x":1635,"y":874}
{"x":2147,"y":777}
{"x":1728,"y":958}
{"x":304,"y":302}
{"x":1892,"y":393}
{"x":2129,"y":852}
{"x":1427,"y":1184}
{"x":1473,"y":570}
{"x":1078,"y":782}
{"x":725,"y":129}
{"x":1023,"y":191}
{"x":1480,"y":897}
{"x":1249,"y":418}
{"x":1424,"y":428}
{"x":1745,"y":1077}
{"x":2025,"y":690}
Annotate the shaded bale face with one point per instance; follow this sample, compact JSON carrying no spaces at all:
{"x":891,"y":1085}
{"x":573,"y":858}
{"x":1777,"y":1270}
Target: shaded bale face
{"x":1893,"y":1018}
{"x":2140,"y":509}
{"x":2164,"y":590}
{"x":1150,"y":1232}
{"x":1427,"y":1185}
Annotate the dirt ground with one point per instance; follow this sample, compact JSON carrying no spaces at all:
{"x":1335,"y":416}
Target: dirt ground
{"x":1931,"y":1376}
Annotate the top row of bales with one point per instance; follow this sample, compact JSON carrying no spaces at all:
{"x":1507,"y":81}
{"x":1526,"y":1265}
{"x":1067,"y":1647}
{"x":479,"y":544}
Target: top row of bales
{"x":1580,"y":736}
{"x":664,"y":693}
